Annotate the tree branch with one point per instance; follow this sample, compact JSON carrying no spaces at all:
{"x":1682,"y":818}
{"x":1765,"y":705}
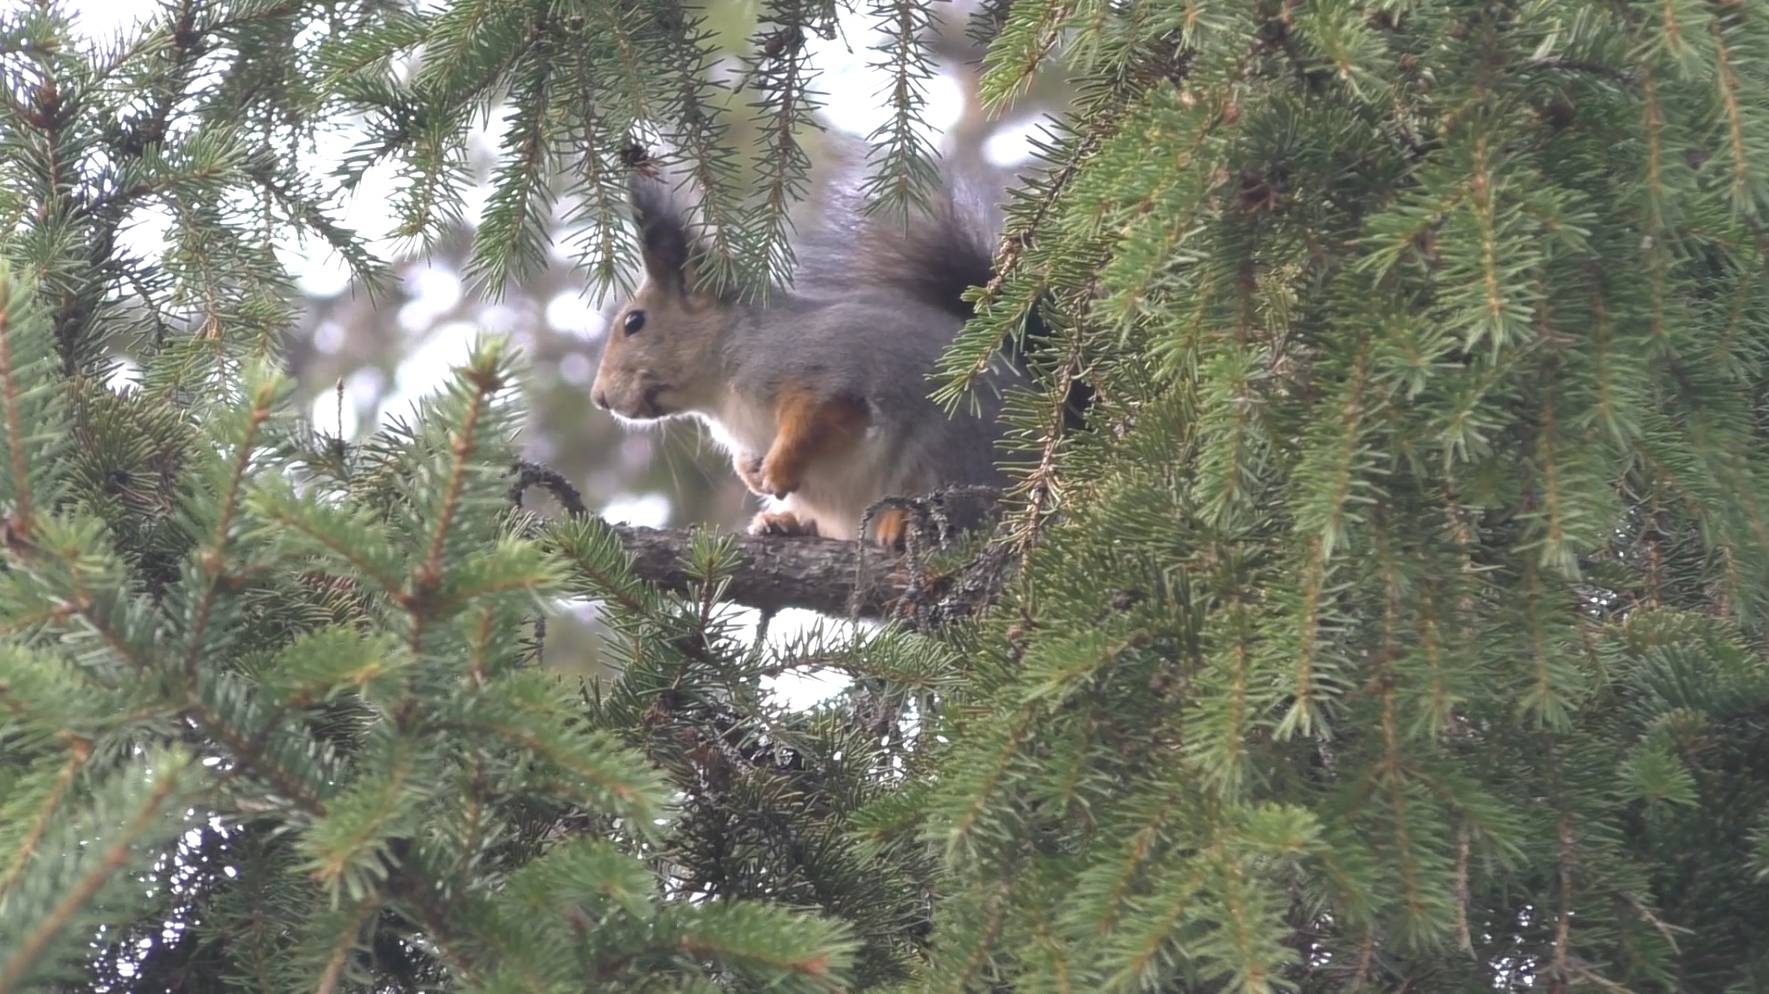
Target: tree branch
{"x":818,"y":574}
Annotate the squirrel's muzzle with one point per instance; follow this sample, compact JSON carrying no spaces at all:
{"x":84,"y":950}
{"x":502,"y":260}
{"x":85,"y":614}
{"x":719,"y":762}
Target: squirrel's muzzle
{"x":633,"y":401}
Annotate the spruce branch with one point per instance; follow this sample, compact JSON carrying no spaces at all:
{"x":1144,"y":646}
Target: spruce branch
{"x":355,"y":539}
{"x":250,"y":752}
{"x":698,"y":128}
{"x":1621,"y":77}
{"x":599,"y":190}
{"x":484,"y":382}
{"x":146,"y":802}
{"x":1739,"y":149}
{"x":740,"y":937}
{"x":345,"y":944}
{"x":79,"y":751}
{"x":903,"y":170}
{"x":213,"y":558}
{"x":778,"y":70}
{"x":305,"y":209}
{"x":632,"y":56}
{"x":1019,"y":49}
{"x":1041,"y":484}
{"x":511,"y":240}
{"x":21,"y":521}
{"x":568,"y":756}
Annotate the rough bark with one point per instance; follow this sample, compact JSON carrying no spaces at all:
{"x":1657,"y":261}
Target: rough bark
{"x":778,"y":572}
{"x":819,"y":574}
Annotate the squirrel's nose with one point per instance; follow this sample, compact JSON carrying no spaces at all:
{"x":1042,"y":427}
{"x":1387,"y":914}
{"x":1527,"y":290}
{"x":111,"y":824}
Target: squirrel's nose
{"x":599,"y":398}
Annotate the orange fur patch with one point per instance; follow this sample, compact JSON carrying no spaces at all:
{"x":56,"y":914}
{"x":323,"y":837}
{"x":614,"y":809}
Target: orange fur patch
{"x":808,"y":427}
{"x":889,"y":526}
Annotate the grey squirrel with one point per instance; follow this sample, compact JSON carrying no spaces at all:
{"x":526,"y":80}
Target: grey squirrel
{"x":820,"y":393}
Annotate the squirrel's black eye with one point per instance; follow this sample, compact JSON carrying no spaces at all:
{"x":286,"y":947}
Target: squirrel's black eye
{"x":634,"y":321}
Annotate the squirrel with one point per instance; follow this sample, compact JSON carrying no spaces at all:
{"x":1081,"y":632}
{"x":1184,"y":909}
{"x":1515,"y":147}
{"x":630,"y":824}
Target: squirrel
{"x":821,"y":391}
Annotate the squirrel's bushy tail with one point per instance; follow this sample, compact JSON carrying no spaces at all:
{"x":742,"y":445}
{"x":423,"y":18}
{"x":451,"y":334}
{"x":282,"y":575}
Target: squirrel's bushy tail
{"x":933,"y":257}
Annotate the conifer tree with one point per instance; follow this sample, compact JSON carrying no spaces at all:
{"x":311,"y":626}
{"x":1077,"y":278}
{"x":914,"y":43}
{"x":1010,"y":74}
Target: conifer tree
{"x":1394,"y":623}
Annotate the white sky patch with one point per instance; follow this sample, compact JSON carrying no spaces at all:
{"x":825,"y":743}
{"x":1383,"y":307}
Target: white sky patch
{"x":145,"y":231}
{"x":644,"y":510}
{"x":319,"y":272}
{"x":801,"y":688}
{"x":855,"y":89}
{"x":329,"y":418}
{"x":434,"y":290}
{"x":369,"y":209}
{"x":437,"y":284}
{"x":583,"y":609}
{"x":499,"y":319}
{"x":101,"y":19}
{"x":473,"y":201}
{"x":854,"y":105}
{"x":364,"y":385}
{"x":560,"y":250}
{"x":430,"y":366}
{"x":1011,"y":144}
{"x":126,"y":375}
{"x":571,"y":313}
{"x":488,"y":131}
{"x":328,"y":338}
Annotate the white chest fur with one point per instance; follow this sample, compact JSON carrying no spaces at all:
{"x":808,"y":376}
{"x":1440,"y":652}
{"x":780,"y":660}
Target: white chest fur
{"x":837,"y":488}
{"x":739,"y":425}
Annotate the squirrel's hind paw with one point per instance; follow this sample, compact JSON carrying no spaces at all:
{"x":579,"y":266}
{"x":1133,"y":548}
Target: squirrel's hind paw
{"x":891,"y":528}
{"x":781,"y":523}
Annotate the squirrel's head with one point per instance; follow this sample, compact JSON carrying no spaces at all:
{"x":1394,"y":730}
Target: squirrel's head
{"x":662,"y":355}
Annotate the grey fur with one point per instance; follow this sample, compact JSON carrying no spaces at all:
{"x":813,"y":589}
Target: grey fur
{"x":872,"y":306}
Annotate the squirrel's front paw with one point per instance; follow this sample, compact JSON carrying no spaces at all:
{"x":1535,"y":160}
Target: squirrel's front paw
{"x":781,"y":523}
{"x":749,"y":470}
{"x":778,"y":478}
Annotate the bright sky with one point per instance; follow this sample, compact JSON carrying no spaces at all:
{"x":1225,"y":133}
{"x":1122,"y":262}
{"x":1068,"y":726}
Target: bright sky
{"x":852,"y":86}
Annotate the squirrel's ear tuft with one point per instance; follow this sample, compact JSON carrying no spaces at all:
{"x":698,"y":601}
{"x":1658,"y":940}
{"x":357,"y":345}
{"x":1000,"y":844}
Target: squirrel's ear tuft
{"x":663,"y":233}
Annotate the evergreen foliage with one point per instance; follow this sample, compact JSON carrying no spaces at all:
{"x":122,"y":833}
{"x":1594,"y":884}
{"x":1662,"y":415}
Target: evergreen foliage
{"x":270,"y":717}
{"x":347,"y":654}
{"x":1399,"y":623}
{"x":1395,"y":623}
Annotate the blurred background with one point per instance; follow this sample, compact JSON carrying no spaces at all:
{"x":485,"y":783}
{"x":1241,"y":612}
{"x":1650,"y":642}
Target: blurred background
{"x":360,"y":360}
